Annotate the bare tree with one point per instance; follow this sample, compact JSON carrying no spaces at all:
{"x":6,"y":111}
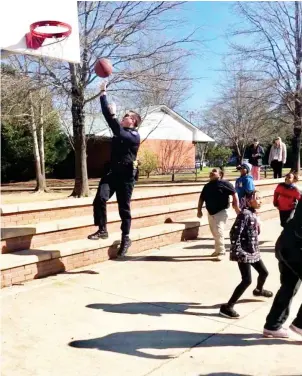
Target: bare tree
{"x":273,"y":47}
{"x":30,"y":103}
{"x":166,"y":82}
{"x":241,"y":112}
{"x":118,"y":31}
{"x":174,"y":156}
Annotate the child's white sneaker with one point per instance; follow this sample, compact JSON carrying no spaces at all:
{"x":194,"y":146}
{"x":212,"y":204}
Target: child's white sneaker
{"x":296,"y":329}
{"x":280,"y":333}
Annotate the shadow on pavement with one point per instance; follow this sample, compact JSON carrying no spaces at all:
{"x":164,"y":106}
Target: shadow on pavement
{"x":161,"y":308}
{"x":131,"y":343}
{"x":82,"y":272}
{"x":169,"y":258}
{"x":204,"y":246}
{"x":227,"y":246}
{"x":229,"y":374}
{"x":267,"y":249}
{"x":223,"y":374}
{"x":148,"y":308}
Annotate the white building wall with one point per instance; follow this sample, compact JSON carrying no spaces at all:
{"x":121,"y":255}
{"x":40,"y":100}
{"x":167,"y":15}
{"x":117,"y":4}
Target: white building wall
{"x":161,"y":126}
{"x":157,"y":125}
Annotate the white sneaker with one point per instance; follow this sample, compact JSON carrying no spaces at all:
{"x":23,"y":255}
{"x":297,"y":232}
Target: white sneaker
{"x":296,"y":329}
{"x":280,"y":333}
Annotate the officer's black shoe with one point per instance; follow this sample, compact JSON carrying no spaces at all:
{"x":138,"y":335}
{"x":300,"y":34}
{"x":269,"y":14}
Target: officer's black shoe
{"x":125,"y":245}
{"x":100,"y":234}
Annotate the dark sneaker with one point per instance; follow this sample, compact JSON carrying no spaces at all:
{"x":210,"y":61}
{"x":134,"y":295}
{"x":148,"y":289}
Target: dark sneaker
{"x":100,"y":234}
{"x":125,"y":245}
{"x":265,"y":293}
{"x":228,"y":312}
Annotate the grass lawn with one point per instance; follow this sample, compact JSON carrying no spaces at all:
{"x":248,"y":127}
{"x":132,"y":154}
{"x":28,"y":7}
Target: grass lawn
{"x":30,"y":196}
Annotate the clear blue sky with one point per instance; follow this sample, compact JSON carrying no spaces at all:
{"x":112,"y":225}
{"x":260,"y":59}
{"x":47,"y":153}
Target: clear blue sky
{"x":214,"y":18}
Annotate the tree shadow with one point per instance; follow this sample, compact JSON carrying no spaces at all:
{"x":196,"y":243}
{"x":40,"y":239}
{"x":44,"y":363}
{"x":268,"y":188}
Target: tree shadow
{"x":132,"y":343}
{"x":223,"y":374}
{"x":268,"y":249}
{"x":227,"y":246}
{"x":159,"y":258}
{"x":205,"y":246}
{"x":82,"y":272}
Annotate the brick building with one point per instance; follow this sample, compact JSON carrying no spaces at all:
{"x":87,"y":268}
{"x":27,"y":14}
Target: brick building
{"x":165,"y":132}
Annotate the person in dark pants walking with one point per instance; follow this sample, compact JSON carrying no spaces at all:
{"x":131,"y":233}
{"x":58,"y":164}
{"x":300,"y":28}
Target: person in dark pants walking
{"x":245,"y":251}
{"x":289,"y":254}
{"x":255,"y":154}
{"x":120,"y":178}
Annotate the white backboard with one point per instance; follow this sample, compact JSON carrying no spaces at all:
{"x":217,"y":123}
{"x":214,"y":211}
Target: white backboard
{"x":17,"y":16}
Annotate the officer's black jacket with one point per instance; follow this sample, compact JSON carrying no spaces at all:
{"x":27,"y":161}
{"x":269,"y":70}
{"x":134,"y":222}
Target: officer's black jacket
{"x":291,"y":236}
{"x":125,"y":141}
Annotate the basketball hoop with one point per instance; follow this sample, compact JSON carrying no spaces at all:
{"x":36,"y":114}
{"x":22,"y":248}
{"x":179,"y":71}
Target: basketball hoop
{"x":35,"y":38}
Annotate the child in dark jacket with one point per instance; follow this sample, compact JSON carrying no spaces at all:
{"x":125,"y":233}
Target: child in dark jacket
{"x":245,"y":251}
{"x":286,"y":196}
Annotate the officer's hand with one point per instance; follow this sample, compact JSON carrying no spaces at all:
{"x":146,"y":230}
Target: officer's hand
{"x":199,"y":213}
{"x":103,"y":87}
{"x":135,"y":164}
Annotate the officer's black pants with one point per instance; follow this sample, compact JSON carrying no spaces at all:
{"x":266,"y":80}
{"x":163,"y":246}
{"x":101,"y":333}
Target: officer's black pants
{"x":114,"y":182}
{"x":284,"y":216}
{"x":290,"y":266}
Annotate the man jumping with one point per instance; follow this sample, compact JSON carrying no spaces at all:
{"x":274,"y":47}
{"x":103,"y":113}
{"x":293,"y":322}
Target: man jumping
{"x":121,"y":176}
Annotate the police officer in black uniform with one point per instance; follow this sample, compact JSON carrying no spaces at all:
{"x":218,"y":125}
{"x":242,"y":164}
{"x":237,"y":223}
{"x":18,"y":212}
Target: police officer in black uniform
{"x":122,"y":173}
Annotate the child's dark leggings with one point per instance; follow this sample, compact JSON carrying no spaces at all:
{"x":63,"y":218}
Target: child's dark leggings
{"x":246,"y":274}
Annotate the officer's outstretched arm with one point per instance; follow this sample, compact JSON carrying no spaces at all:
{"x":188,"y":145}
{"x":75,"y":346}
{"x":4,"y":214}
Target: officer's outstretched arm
{"x":110,"y":118}
{"x":114,"y":124}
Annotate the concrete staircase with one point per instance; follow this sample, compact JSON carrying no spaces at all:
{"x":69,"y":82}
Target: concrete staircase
{"x":43,"y":238}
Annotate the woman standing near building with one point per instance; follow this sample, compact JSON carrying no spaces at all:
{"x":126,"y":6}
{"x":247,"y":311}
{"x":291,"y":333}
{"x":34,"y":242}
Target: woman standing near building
{"x":277,"y":157}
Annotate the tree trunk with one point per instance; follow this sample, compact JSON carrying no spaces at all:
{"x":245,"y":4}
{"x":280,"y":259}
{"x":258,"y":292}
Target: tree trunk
{"x":296,"y":140}
{"x":239,"y":155}
{"x":41,"y":138}
{"x":41,"y":186}
{"x":203,"y":154}
{"x":81,"y":188}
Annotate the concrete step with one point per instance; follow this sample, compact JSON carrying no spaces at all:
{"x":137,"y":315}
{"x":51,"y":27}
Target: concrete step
{"x":35,"y":212}
{"x":31,"y":263}
{"x":31,"y":213}
{"x":59,"y":230}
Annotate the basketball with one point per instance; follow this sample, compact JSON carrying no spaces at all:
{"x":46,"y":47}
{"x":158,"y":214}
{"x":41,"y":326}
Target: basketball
{"x":103,"y":68}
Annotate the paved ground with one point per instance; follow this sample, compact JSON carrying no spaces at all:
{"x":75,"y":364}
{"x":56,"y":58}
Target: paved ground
{"x":155,"y":314}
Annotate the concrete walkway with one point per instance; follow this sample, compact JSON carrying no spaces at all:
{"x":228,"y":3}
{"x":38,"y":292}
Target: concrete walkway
{"x":155,"y":314}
